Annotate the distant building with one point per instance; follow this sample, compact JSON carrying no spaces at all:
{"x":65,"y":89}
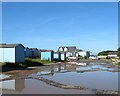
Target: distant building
{"x":46,"y":54}
{"x":93,"y":57}
{"x":28,"y":52}
{"x":12,"y":53}
{"x":85,"y":54}
{"x":69,"y":50}
{"x":102,"y":57}
{"x":113,"y":54}
{"x":35,"y":52}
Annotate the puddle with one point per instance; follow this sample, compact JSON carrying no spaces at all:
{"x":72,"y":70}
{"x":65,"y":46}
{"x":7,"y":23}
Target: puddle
{"x":83,"y":68}
{"x":13,"y":85}
{"x":38,"y":87}
{"x":93,"y":80}
{"x":67,"y":74}
{"x":43,"y":73}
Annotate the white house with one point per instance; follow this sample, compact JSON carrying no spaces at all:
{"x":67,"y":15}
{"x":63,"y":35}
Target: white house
{"x":93,"y":57}
{"x":113,"y":54}
{"x":101,"y":57}
{"x":69,"y":50}
{"x":12,"y":53}
{"x":83,"y":54}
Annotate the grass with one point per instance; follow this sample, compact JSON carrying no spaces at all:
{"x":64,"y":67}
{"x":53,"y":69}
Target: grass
{"x":23,"y":65}
{"x":28,"y":62}
{"x":118,"y":63}
{"x":35,"y":62}
{"x":2,"y":64}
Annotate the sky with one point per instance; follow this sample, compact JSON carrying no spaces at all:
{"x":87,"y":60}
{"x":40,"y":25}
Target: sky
{"x":91,"y":26}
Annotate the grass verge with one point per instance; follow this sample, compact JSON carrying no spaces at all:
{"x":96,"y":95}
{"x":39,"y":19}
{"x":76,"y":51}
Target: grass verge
{"x":118,"y":63}
{"x":35,"y":62}
{"x":2,"y":64}
{"x":23,"y":65}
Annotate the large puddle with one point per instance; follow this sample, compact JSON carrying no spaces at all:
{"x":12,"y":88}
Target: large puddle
{"x":98,"y":76}
{"x":92,"y":80}
{"x":31,"y":86}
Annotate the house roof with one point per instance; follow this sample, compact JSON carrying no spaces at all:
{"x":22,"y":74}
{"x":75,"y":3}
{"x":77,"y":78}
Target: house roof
{"x":78,"y":50}
{"x":34,"y":48}
{"x":70,"y":48}
{"x":9,"y":45}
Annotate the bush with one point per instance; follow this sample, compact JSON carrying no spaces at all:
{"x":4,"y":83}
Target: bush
{"x":119,"y":63}
{"x":2,"y":64}
{"x":80,"y":57}
{"x":104,"y":53}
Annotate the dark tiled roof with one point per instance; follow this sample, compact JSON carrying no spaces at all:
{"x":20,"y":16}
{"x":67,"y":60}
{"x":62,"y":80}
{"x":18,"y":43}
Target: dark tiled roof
{"x":78,"y":50}
{"x":9,"y":45}
{"x":70,"y":48}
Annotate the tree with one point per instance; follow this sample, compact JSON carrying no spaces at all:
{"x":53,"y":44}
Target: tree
{"x":118,"y":49}
{"x":119,"y":52}
{"x":104,"y":53}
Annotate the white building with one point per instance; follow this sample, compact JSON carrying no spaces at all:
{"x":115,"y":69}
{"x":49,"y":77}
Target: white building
{"x":69,"y":50}
{"x":83,"y":54}
{"x":12,"y":53}
{"x":93,"y":57}
{"x":101,"y":57}
{"x":113,"y":54}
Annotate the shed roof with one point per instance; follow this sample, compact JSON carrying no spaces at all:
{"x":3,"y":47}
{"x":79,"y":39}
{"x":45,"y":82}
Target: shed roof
{"x":9,"y":45}
{"x":33,"y":48}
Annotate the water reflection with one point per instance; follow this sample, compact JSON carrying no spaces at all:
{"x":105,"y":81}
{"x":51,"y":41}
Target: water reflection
{"x":14,"y":85}
{"x":62,"y":68}
{"x":92,"y":80}
{"x":3,"y":76}
{"x":68,"y":74}
{"x":33,"y":86}
{"x":72,"y":75}
{"x":52,"y":70}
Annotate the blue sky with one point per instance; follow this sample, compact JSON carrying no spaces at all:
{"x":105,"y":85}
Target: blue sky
{"x":88,"y":26}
